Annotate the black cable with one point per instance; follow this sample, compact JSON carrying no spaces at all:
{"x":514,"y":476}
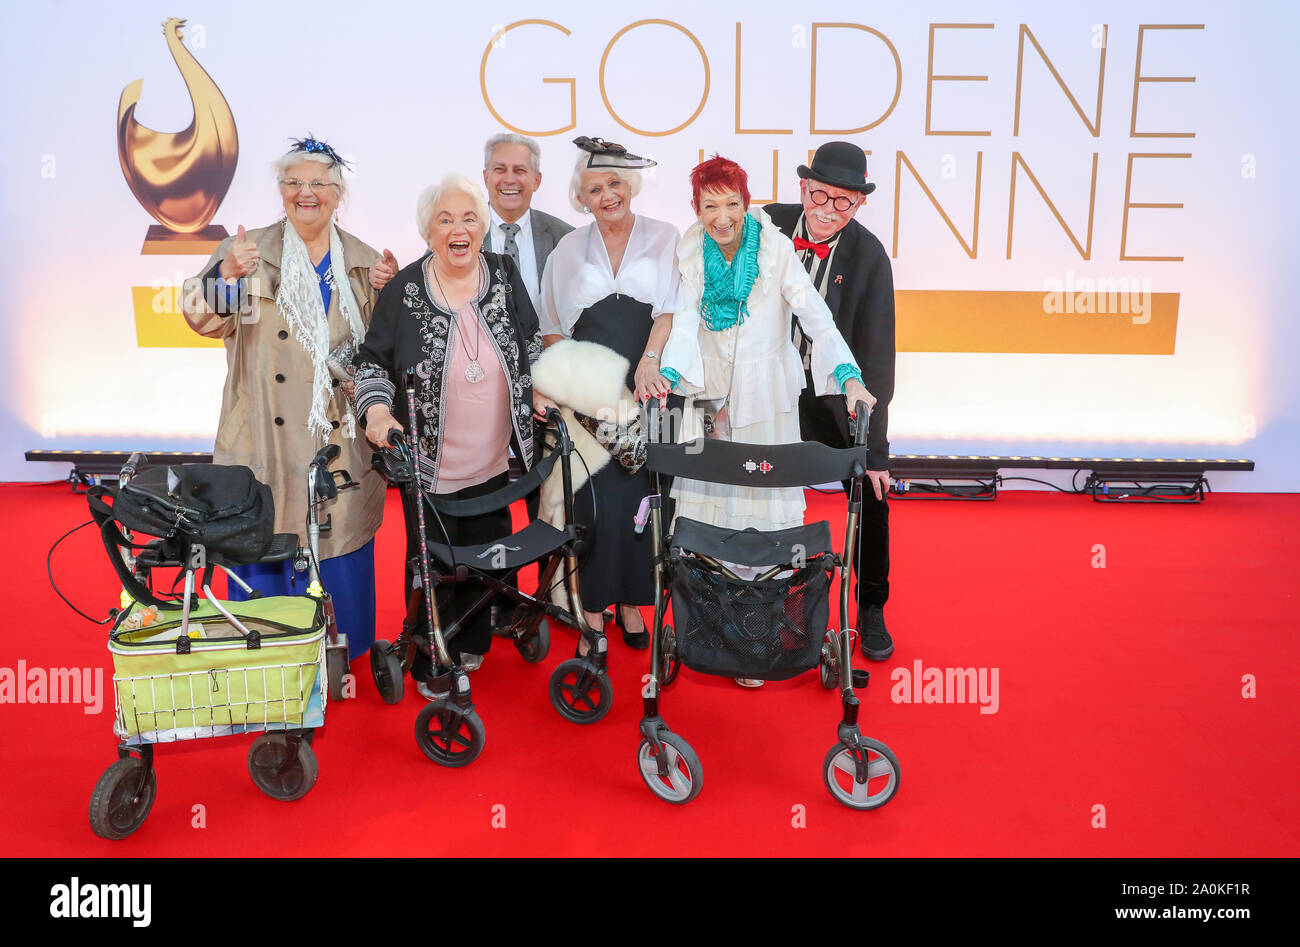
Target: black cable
{"x":938,"y":487}
{"x":50,"y":573}
{"x":1138,"y":489}
{"x":1044,"y":482}
{"x":451,"y":549}
{"x":582,"y":559}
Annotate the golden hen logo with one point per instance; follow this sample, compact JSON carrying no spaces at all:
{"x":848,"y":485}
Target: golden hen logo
{"x":180,"y":178}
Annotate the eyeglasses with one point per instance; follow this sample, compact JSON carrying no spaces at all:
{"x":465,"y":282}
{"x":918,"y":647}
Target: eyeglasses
{"x":841,"y":203}
{"x":292,"y":184}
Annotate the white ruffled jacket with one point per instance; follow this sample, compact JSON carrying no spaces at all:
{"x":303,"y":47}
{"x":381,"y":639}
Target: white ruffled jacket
{"x":769,"y":372}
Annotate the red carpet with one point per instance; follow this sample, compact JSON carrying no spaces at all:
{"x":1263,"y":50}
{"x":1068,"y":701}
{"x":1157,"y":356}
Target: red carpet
{"x":1119,"y":687}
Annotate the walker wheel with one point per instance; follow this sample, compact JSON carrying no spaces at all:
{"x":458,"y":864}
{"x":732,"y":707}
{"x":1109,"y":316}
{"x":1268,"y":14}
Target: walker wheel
{"x":535,"y":646}
{"x":115,"y":810}
{"x":336,"y":667}
{"x":448,"y":736}
{"x":579,"y":692}
{"x":282,"y":771}
{"x":387,"y":672}
{"x":830,"y":677}
{"x":840,"y":773}
{"x":685,"y":775}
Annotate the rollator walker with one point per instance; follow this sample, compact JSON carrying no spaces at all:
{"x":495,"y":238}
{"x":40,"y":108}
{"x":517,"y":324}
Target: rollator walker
{"x":448,"y":729}
{"x":755,"y":604}
{"x":268,"y":665}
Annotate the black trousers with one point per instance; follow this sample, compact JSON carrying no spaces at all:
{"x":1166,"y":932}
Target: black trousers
{"x":825,"y":419}
{"x":454,"y":600}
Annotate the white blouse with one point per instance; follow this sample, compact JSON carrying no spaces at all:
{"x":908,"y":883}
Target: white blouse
{"x":578,"y":273}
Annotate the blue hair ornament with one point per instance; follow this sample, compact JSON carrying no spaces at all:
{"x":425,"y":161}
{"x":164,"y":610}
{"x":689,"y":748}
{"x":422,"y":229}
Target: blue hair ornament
{"x":312,"y":146}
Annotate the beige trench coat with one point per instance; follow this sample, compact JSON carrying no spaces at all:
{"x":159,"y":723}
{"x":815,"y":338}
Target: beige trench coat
{"x":268,"y":395}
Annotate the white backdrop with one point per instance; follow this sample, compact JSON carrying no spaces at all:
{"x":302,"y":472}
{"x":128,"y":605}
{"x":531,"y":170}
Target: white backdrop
{"x":397,"y":86}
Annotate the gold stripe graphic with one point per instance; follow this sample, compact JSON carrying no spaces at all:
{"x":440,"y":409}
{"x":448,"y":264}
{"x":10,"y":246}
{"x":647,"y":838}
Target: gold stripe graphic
{"x":973,"y":321}
{"x":1021,"y":323}
{"x":159,"y":323}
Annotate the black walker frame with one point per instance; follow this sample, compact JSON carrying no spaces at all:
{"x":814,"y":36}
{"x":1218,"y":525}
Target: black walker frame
{"x":668,"y":764}
{"x":448,"y":730}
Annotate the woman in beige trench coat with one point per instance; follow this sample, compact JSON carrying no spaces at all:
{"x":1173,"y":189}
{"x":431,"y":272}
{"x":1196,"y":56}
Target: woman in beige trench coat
{"x":292,"y":302}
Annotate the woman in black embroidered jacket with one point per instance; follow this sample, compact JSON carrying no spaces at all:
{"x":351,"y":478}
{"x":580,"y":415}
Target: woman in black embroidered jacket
{"x":462,"y":319}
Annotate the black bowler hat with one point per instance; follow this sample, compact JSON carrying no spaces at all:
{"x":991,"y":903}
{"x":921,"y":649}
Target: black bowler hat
{"x":841,"y":164}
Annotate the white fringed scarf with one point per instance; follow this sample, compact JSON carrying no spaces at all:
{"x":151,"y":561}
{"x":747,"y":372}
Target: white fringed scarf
{"x":299,"y":299}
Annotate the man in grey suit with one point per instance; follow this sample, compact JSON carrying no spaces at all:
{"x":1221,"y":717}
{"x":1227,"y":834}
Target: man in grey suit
{"x":512,"y":172}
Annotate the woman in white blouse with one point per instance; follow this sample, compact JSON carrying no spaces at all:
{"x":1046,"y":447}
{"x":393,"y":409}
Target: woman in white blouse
{"x":615,"y":283}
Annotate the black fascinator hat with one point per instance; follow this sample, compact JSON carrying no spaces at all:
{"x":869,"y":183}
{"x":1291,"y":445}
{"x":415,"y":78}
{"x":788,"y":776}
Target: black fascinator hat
{"x":608,"y":154}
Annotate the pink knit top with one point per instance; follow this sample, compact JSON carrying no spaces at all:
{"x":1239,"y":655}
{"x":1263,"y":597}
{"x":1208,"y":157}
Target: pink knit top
{"x":476,"y":426}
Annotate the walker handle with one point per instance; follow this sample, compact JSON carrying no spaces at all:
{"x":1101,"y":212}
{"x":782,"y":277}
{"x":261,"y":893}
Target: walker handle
{"x":133,"y":463}
{"x":859,"y":423}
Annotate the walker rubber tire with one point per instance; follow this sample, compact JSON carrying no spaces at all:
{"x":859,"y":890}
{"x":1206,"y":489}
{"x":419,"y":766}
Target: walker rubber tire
{"x":336,"y":667}
{"x":387,"y":672}
{"x":280,"y":771}
{"x":686,"y":775}
{"x":447,"y":743}
{"x":536,"y":647}
{"x":575,"y":703}
{"x":115,"y":810}
{"x":830,"y":677}
{"x":838,"y":772}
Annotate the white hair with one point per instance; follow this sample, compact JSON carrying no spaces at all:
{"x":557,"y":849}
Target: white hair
{"x":509,"y":138}
{"x":431,"y":195}
{"x":290,"y":158}
{"x":629,"y":176}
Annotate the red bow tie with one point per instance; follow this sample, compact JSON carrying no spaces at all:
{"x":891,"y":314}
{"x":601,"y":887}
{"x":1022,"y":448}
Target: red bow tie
{"x":821,"y":249}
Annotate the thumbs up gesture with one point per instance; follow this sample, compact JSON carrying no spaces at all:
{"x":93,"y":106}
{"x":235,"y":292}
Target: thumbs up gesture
{"x":241,"y":259}
{"x":383,"y":270}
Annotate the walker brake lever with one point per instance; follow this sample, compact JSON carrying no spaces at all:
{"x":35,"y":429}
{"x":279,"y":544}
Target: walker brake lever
{"x":643,"y":513}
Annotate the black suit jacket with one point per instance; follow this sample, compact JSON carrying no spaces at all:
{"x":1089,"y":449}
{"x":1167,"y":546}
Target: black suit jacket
{"x":860,"y":295}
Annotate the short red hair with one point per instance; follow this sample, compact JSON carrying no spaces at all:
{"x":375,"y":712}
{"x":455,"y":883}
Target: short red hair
{"x":718,"y":174}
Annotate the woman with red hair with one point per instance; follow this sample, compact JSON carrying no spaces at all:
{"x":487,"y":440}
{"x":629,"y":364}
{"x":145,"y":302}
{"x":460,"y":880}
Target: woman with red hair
{"x":731,"y":349}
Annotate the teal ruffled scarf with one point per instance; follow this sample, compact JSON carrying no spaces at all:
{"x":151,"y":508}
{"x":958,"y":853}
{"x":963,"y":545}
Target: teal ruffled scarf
{"x":727,"y":285}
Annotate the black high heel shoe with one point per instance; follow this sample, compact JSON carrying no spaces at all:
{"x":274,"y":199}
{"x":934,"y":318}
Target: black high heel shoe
{"x":640,"y":640}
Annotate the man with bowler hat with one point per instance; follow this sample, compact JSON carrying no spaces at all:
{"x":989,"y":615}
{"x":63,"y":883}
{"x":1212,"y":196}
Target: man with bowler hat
{"x":851,"y":270}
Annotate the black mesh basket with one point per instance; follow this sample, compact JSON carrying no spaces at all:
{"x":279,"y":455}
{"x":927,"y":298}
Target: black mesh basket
{"x":770,"y":630}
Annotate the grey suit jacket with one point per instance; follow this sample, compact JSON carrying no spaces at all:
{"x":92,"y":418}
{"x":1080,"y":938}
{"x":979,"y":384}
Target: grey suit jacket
{"x":547,"y":231}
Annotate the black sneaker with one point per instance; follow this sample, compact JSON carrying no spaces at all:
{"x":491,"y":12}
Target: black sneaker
{"x":876,"y":643}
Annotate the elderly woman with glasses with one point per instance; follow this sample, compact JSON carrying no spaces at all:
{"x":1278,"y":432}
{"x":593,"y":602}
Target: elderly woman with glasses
{"x":731,"y":346}
{"x":461,"y":318}
{"x":291,"y":302}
